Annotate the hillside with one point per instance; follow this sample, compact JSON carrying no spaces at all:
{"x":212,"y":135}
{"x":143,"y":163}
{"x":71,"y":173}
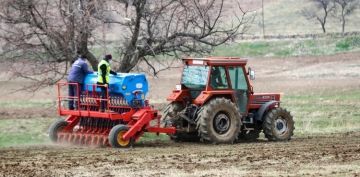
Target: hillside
{"x":284,"y":17}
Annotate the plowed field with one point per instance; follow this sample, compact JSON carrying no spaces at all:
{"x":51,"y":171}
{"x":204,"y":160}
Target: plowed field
{"x":331,"y":155}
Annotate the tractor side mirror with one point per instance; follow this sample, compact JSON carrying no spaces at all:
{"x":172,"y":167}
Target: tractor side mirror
{"x":251,"y":73}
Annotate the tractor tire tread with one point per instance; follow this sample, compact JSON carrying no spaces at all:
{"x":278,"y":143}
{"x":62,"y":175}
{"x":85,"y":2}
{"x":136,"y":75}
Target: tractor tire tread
{"x":54,"y":128}
{"x":269,"y":124}
{"x":206,"y":115}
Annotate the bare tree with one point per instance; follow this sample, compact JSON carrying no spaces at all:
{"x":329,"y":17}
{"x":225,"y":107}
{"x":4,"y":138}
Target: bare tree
{"x":319,"y":12}
{"x":347,"y":7}
{"x":170,"y":27}
{"x":42,"y":36}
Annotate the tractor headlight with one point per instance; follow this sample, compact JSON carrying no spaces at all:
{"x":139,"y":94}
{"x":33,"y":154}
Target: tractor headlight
{"x":124,"y":87}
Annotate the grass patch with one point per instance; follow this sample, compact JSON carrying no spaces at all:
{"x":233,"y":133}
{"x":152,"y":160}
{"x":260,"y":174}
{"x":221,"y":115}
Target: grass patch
{"x":286,"y":48}
{"x":326,"y":112}
{"x":27,"y":104}
{"x":152,"y":137}
{"x":17,"y":132}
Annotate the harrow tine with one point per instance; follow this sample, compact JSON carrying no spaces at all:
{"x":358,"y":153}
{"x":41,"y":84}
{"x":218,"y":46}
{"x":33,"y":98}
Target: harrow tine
{"x":82,"y":139}
{"x":77,"y":139}
{"x":94,"y":140}
{"x":88,"y":140}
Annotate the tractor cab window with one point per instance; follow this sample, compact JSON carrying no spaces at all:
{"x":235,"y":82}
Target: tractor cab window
{"x":239,"y":85}
{"x":237,"y":77}
{"x":218,"y":78}
{"x":195,"y":77}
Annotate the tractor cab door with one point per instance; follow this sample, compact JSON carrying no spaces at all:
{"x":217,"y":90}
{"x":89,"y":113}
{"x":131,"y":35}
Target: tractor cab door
{"x":240,"y":87}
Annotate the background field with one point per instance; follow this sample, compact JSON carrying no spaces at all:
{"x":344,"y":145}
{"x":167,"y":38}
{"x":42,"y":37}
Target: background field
{"x":319,"y":78}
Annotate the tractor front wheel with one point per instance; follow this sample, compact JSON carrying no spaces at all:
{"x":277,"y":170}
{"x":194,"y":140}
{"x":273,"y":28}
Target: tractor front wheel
{"x":55,"y":127}
{"x":115,"y":137}
{"x":219,"y":121}
{"x":278,"y":125}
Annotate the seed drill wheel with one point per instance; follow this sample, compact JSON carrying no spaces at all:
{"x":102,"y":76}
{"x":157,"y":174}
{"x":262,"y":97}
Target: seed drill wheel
{"x":55,"y":128}
{"x":219,"y":121}
{"x":115,"y":137}
{"x":278,"y":125}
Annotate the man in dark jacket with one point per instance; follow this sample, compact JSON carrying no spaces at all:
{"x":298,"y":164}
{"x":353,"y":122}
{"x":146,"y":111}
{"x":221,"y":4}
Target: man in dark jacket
{"x":78,"y":71}
{"x":104,"y":72}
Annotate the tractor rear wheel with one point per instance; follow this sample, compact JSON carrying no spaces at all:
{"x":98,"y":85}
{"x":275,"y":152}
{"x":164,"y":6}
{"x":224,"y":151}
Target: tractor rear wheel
{"x":171,"y":120}
{"x":278,"y":125}
{"x":115,"y":137}
{"x":174,"y":108}
{"x":219,"y":121}
{"x":55,"y":128}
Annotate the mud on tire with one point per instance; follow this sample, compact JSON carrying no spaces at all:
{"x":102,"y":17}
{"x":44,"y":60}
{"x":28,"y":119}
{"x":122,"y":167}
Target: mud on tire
{"x":55,"y":128}
{"x":219,"y":121}
{"x":278,"y":125}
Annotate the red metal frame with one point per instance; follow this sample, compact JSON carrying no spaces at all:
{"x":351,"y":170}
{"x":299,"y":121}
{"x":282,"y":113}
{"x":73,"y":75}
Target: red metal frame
{"x":137,"y":119}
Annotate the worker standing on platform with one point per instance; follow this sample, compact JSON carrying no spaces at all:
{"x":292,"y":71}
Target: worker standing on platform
{"x":104,"y":72}
{"x":79,"y":69}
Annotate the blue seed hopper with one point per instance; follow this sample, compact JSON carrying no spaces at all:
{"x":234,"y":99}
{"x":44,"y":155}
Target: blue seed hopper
{"x":131,"y":87}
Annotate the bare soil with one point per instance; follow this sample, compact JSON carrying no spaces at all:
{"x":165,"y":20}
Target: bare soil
{"x":333,"y":155}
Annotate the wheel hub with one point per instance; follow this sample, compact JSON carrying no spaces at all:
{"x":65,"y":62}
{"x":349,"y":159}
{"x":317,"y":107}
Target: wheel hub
{"x":221,"y":123}
{"x":281,"y":126}
{"x":121,"y":141}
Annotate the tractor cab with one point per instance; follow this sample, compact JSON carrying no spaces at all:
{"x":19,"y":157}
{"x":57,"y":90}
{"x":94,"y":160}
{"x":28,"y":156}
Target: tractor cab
{"x":203,"y":78}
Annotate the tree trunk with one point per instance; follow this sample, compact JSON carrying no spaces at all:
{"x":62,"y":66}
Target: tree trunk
{"x":92,"y":60}
{"x":131,"y":56}
{"x":343,"y":20}
{"x":323,"y":27}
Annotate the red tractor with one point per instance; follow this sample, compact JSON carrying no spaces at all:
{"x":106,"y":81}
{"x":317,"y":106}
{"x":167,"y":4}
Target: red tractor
{"x":215,"y":103}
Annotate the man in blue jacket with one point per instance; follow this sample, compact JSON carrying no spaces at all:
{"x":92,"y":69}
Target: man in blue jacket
{"x":78,"y":71}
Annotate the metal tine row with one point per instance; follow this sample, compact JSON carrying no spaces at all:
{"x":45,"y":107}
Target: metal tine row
{"x":117,"y":101}
{"x":97,"y":122}
{"x":87,"y":100}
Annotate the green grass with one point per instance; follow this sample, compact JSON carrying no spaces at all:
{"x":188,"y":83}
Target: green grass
{"x":326,"y":112}
{"x":18,"y":132}
{"x":153,"y":136}
{"x":286,"y":48}
{"x":27,"y":104}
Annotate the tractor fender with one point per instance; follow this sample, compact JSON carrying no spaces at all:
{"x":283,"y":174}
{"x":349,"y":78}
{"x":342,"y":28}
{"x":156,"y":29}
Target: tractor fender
{"x":263,"y":108}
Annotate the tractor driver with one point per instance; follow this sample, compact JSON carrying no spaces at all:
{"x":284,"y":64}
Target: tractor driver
{"x":216,"y":79}
{"x":77,"y":73}
{"x":104,"y":79}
